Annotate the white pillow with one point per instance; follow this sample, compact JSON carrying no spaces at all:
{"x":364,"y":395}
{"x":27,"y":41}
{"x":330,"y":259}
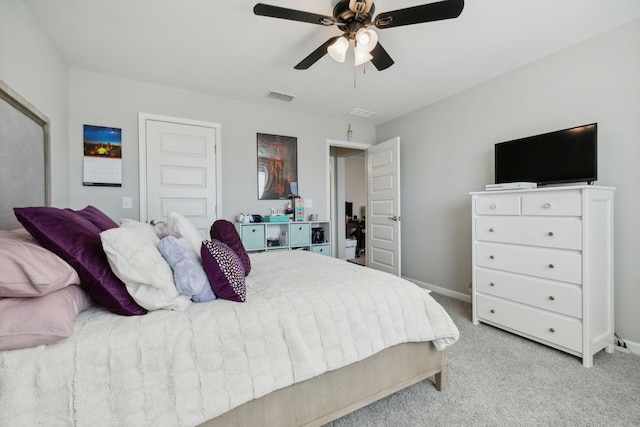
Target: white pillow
{"x":132,"y":252}
{"x":181,"y":225}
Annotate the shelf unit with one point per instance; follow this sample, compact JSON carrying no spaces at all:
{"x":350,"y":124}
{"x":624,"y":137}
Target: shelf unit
{"x":284,"y":236}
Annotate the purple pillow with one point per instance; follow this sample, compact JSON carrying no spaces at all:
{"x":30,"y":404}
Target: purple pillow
{"x":226,"y":232}
{"x":224,"y":270}
{"x":77,"y":241}
{"x":96,"y":217}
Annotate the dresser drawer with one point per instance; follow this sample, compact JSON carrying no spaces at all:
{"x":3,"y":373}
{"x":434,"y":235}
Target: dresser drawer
{"x":253,"y":237}
{"x":536,"y":323}
{"x":554,"y":264}
{"x":300,"y":235}
{"x":321,"y":249}
{"x":557,"y":297}
{"x":564,"y":233}
{"x":498,"y":204}
{"x":559,"y":203}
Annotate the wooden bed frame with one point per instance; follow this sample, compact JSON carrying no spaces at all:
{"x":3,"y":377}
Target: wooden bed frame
{"x":312,"y":402}
{"x":329,"y":396}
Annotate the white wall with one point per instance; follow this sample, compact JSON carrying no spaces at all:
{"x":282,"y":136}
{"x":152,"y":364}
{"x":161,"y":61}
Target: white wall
{"x":356,"y":182}
{"x":97,"y":99}
{"x":32,"y":67}
{"x":447,"y":151}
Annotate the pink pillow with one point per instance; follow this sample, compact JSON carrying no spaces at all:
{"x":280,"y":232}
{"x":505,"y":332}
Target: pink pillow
{"x":224,"y":270}
{"x":28,"y":269}
{"x":29,"y":322}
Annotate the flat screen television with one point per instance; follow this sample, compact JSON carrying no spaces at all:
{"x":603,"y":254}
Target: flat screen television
{"x":563,"y":156}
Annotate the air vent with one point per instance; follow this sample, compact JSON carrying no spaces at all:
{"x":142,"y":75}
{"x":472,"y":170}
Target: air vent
{"x":280,"y":96}
{"x":361,"y":113}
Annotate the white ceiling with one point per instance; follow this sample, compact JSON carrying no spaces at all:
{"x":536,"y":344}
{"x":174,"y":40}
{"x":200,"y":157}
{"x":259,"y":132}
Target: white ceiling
{"x":223,"y":49}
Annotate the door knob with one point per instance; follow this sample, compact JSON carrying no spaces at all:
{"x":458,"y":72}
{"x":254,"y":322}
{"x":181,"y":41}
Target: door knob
{"x":394,"y":218}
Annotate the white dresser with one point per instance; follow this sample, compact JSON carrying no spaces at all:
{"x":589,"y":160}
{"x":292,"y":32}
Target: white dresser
{"x":543,"y":265}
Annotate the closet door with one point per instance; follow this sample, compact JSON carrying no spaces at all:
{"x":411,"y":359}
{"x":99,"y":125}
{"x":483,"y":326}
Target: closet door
{"x":181,"y":171}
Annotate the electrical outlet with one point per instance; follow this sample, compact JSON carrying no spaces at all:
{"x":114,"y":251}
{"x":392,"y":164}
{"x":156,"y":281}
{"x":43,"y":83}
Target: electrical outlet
{"x":127,"y":203}
{"x":623,"y":349}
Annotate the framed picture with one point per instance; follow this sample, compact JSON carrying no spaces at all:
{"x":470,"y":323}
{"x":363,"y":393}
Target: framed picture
{"x":102,"y":164}
{"x":277,"y":166}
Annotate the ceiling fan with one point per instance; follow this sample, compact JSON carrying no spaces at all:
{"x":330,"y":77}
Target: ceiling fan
{"x":353,"y":18}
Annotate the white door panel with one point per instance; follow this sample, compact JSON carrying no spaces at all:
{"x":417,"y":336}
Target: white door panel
{"x":181,"y":171}
{"x":383,"y":217}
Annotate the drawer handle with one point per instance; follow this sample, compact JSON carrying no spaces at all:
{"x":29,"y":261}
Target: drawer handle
{"x":253,"y":230}
{"x":552,"y":330}
{"x":551,"y":266}
{"x":492,"y":311}
{"x":546,"y":205}
{"x":551,"y":298}
{"x":491,"y":230}
{"x":490,"y":256}
{"x":492,"y":284}
{"x":493,"y":206}
{"x":299,"y":228}
{"x":550,"y":234}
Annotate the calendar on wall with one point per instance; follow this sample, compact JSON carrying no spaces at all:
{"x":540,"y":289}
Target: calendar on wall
{"x":102,"y":164}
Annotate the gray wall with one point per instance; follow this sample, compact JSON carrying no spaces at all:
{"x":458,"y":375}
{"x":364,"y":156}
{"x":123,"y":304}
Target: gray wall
{"x":447,"y":151}
{"x":107,"y":101}
{"x":32,"y":67}
{"x":356,"y":182}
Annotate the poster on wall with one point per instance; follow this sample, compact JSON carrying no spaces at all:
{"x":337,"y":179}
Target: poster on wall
{"x":102,"y":164}
{"x":277,"y":167}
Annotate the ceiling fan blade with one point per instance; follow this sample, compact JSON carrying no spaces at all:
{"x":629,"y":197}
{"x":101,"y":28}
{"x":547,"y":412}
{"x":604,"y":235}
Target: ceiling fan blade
{"x":315,"y":55}
{"x":292,"y":15}
{"x":418,"y":14}
{"x":381,"y":59}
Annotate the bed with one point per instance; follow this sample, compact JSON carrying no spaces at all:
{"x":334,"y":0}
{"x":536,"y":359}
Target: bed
{"x":315,"y":339}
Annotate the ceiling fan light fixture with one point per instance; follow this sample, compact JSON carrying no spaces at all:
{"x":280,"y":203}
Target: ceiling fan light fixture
{"x":366,"y":39}
{"x":338,"y":50}
{"x":362,"y":56}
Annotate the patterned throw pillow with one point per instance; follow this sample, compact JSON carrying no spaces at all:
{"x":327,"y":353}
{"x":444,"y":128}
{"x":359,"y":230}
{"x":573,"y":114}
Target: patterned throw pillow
{"x":226,"y":232}
{"x":224,"y":269}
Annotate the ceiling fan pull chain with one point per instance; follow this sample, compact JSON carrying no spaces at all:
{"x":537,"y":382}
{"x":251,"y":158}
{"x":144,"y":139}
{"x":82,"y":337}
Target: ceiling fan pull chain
{"x":354,"y":76}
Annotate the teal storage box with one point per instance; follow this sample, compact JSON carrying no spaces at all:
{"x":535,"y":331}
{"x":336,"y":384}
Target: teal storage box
{"x":276,"y":218}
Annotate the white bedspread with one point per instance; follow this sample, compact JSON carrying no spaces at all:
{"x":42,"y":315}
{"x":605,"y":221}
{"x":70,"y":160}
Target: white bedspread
{"x":305,"y":314}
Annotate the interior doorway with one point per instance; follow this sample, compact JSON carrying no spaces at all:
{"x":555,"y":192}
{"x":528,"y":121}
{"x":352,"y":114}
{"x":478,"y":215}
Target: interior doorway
{"x":348,"y":199}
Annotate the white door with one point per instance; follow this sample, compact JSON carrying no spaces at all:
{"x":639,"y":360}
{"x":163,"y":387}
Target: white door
{"x":383,"y":212}
{"x":179,"y":170}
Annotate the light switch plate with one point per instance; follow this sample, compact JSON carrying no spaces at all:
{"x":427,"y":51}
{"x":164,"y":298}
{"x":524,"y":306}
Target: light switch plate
{"x":127,"y":203}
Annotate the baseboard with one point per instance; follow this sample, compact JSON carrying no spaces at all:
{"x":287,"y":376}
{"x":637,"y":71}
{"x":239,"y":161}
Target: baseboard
{"x":444,"y":291}
{"x":633,"y":347}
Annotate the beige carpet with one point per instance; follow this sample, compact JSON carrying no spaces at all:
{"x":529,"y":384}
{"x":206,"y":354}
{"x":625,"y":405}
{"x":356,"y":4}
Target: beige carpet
{"x":499,"y":379}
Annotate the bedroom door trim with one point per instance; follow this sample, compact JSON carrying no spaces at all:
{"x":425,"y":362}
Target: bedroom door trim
{"x":142,"y":160}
